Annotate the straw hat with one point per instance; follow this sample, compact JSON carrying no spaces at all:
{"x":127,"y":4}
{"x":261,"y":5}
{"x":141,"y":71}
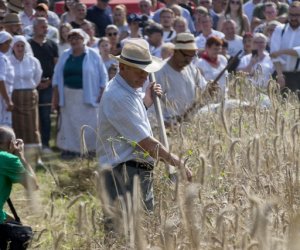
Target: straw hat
{"x":15,"y":5}
{"x":136,"y":53}
{"x":185,"y":41}
{"x":11,"y":18}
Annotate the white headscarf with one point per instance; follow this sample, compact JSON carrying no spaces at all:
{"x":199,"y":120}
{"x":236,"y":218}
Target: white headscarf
{"x":19,"y":38}
{"x":82,"y":33}
{"x":4,"y":37}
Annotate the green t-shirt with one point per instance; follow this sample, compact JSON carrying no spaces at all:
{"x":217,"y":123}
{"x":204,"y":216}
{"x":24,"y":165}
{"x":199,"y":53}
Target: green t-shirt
{"x":11,"y":170}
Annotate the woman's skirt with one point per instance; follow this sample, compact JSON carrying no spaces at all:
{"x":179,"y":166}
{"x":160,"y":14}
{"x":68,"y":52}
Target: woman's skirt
{"x":25,"y":116}
{"x":73,"y":116}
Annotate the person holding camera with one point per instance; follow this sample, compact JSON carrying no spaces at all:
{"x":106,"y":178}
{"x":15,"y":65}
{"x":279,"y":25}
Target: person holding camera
{"x":13,"y":169}
{"x":259,"y":58}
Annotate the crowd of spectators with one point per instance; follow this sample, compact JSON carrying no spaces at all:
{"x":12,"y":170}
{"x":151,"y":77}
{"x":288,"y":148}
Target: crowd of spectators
{"x":50,"y":62}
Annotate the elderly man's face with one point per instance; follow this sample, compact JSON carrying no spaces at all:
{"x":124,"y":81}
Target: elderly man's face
{"x":41,"y":29}
{"x":134,"y":77}
{"x":294,"y":17}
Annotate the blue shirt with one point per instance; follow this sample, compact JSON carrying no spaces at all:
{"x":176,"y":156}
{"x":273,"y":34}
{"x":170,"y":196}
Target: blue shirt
{"x":123,"y":123}
{"x":100,"y":17}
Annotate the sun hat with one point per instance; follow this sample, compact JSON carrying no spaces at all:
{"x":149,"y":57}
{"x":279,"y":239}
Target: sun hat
{"x":11,"y":18}
{"x":4,"y":37}
{"x":185,"y":41}
{"x":15,"y":5}
{"x":81,"y":33}
{"x":136,"y":53}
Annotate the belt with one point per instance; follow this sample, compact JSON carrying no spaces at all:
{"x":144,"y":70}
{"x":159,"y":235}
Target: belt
{"x":141,"y":165}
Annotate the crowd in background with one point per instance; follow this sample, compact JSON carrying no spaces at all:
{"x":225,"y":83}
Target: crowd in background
{"x":50,"y":62}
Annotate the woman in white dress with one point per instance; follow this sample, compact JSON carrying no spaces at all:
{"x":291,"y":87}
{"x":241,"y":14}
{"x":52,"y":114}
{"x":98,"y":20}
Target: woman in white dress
{"x":25,"y":116}
{"x":259,"y":60}
{"x":79,"y":80}
{"x":6,"y":80}
{"x":212,"y":62}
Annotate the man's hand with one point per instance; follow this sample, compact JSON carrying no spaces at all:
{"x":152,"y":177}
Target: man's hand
{"x":275,"y":54}
{"x":212,"y":88}
{"x":281,"y":80}
{"x":152,"y":89}
{"x":45,"y":83}
{"x":17,"y":147}
{"x":10,"y":106}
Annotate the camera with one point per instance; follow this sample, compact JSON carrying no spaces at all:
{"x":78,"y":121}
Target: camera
{"x":142,"y":20}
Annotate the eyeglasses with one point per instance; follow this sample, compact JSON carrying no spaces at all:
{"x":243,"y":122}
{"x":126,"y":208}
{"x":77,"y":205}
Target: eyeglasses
{"x":235,"y":2}
{"x":112,"y":34}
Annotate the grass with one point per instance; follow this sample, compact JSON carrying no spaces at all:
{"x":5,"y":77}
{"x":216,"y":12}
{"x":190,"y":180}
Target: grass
{"x":244,"y":194}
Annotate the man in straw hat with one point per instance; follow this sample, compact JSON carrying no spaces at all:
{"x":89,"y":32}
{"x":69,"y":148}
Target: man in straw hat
{"x":12,"y":24}
{"x":180,"y":79}
{"x":126,"y":141}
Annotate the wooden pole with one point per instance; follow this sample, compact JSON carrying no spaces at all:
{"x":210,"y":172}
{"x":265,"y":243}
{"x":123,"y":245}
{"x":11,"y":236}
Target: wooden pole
{"x":162,"y":129}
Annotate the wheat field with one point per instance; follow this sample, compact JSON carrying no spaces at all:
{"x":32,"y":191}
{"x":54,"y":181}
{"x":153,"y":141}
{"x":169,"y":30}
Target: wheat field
{"x":244,"y":194}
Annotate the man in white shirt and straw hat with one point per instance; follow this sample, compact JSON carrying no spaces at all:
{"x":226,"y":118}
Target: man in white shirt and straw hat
{"x":180,"y":79}
{"x":126,"y":141}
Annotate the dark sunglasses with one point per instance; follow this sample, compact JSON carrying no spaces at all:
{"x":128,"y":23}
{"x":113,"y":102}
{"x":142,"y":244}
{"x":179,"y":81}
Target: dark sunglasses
{"x":112,"y":34}
{"x":235,"y":2}
{"x":190,"y":56}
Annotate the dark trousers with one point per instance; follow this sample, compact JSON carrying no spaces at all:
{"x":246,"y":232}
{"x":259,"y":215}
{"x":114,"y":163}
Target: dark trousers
{"x":120,"y":180}
{"x":45,"y":98}
{"x":292,"y":82}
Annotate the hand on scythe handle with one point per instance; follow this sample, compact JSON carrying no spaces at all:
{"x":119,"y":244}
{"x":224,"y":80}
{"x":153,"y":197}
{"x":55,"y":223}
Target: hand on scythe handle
{"x":162,"y":130}
{"x":212,"y":86}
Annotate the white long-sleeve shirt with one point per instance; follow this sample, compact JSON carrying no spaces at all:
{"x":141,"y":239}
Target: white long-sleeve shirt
{"x":28,"y":72}
{"x":288,"y":40}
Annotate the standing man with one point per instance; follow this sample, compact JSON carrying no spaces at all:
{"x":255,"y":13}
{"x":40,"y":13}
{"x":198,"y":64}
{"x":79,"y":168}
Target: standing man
{"x":285,"y":50}
{"x":99,"y":14}
{"x":184,"y":12}
{"x":41,"y":10}
{"x":46,"y":51}
{"x":12,"y":24}
{"x":80,"y":15}
{"x":167,"y":17}
{"x":126,"y":140}
{"x":235,"y":42}
{"x":180,"y":79}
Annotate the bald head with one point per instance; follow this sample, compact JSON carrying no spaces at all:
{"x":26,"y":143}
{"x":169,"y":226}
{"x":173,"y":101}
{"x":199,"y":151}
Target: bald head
{"x":6,"y":136}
